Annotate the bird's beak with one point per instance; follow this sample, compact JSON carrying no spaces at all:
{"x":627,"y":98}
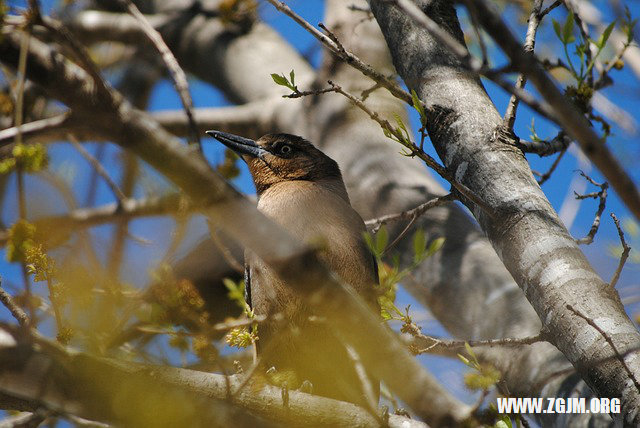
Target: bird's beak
{"x":240,"y":145}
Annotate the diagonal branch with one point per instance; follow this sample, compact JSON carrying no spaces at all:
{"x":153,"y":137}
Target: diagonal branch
{"x":176,"y":72}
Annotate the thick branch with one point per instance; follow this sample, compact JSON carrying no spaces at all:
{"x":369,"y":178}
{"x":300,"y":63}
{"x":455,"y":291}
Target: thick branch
{"x":113,"y":391}
{"x":528,"y":236}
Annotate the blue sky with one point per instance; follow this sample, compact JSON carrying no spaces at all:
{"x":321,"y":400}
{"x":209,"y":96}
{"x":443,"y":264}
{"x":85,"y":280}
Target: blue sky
{"x":140,"y":258}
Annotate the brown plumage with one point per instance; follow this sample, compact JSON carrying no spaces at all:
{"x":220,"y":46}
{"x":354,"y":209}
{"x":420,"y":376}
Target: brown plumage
{"x":301,"y":188}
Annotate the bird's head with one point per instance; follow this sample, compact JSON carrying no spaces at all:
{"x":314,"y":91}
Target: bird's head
{"x":275,"y":158}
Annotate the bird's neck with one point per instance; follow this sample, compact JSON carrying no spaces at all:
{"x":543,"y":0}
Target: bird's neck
{"x":332,"y":186}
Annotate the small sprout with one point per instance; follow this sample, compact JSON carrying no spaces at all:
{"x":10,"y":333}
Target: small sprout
{"x":435,"y":246}
{"x":565,"y":32}
{"x":504,"y":422}
{"x":20,"y":240}
{"x":605,"y":35}
{"x":39,"y":263}
{"x":483,"y":377}
{"x":65,"y":335}
{"x":30,"y":157}
{"x":241,"y":337}
{"x":419,"y":245}
{"x":417,"y":104}
{"x":377,"y":243}
{"x":236,"y":292}
{"x":281,"y":79}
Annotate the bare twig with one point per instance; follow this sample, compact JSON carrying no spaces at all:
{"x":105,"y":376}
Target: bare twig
{"x":546,"y":148}
{"x":224,"y":250}
{"x":551,"y":7}
{"x":529,"y":45}
{"x":626,"y":249}
{"x":223,"y":326}
{"x":62,"y":34}
{"x":376,"y":223}
{"x":176,"y":72}
{"x":606,"y":337}
{"x":13,"y":307}
{"x":22,"y":201}
{"x":544,"y":177}
{"x":97,"y":166}
{"x":435,"y":345}
{"x":298,"y":94}
{"x":602,"y":195}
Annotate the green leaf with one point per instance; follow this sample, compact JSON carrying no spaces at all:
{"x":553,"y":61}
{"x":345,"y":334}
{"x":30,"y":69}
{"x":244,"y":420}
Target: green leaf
{"x":417,"y":104}
{"x":464,"y":359}
{"x":368,"y":239}
{"x":469,"y":350}
{"x":381,"y":240}
{"x":605,"y":35}
{"x":292,"y":78}
{"x":484,"y":378}
{"x":435,"y":245}
{"x":567,"y":29}
{"x":558,"y":29}
{"x":401,"y":124}
{"x":236,"y":291}
{"x":503,"y":423}
{"x":280,"y":80}
{"x":419,"y":245}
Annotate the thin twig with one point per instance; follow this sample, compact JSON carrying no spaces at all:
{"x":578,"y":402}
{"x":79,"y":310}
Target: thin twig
{"x":400,"y":236}
{"x":376,"y":223}
{"x":434,"y":345}
{"x":223,"y":326}
{"x":626,"y":249}
{"x":17,"y":312}
{"x":345,"y":55}
{"x":602,"y":195}
{"x":298,"y":94}
{"x":176,"y":72}
{"x":606,"y":337}
{"x":544,"y":177}
{"x":22,"y":198}
{"x":529,"y":46}
{"x":416,"y":151}
{"x":97,"y":166}
{"x":551,"y":7}
{"x":228,"y":257}
{"x":476,"y":29}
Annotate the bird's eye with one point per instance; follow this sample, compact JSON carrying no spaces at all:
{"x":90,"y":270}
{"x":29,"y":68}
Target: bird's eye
{"x":285,"y":149}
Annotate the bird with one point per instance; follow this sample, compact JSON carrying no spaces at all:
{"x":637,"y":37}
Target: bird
{"x":301,"y":188}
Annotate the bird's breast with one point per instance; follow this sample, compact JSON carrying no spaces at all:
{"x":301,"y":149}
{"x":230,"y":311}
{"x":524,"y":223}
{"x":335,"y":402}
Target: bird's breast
{"x":317,"y":215}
